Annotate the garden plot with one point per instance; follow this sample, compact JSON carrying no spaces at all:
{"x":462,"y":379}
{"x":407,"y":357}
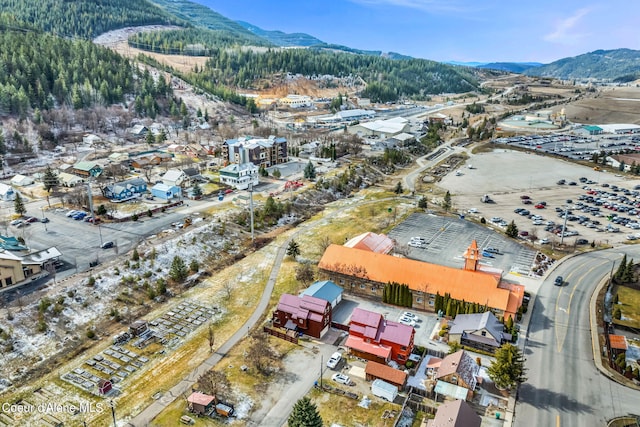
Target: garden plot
{"x":118,"y":362}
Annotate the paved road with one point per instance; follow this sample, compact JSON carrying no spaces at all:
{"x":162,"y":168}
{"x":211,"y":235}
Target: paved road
{"x":564,"y":387}
{"x":145,"y":417}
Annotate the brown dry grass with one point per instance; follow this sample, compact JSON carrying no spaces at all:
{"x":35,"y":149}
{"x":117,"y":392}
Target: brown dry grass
{"x":612,"y":105}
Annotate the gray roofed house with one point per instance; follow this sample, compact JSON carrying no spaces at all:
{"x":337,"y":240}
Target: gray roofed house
{"x":479,"y":330}
{"x":456,"y":413}
{"x":125,"y":190}
{"x":326,"y":290}
{"x":460,"y":369}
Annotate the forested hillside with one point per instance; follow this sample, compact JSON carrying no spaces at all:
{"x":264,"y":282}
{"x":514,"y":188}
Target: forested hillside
{"x":191,"y":41}
{"x":39,"y":70}
{"x":387,"y":79}
{"x":201,"y":16}
{"x":617,"y":64}
{"x":86,"y":18}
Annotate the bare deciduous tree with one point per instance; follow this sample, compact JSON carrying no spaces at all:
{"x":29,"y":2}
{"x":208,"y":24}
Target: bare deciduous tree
{"x":215,"y":383}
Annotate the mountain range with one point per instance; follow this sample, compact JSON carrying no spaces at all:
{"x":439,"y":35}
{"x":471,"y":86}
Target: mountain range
{"x":615,"y":65}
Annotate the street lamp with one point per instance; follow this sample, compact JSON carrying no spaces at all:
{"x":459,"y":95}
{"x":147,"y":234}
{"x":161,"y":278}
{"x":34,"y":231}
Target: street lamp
{"x":112,"y":404}
{"x":564,"y":224}
{"x":43,"y":219}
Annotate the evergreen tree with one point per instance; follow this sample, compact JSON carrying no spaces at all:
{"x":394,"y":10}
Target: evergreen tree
{"x":18,"y":205}
{"x":507,"y":370}
{"x":422,"y":203}
{"x":304,"y":414}
{"x":197,"y":191}
{"x":178,"y":271}
{"x":309,"y":171}
{"x":49,"y":179}
{"x":293,"y":250}
{"x":621,"y":268}
{"x":398,"y":189}
{"x":512,"y":230}
{"x":135,"y":256}
{"x":446,"y":203}
{"x":627,"y":277}
{"x":150,"y":139}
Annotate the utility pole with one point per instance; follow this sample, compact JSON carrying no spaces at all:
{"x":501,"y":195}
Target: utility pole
{"x":251,"y":209}
{"x":564,"y":225}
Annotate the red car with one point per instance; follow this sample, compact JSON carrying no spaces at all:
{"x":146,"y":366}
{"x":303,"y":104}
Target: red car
{"x":539,"y":206}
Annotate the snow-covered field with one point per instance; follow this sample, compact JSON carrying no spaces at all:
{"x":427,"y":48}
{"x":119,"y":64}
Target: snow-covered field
{"x":76,"y":307}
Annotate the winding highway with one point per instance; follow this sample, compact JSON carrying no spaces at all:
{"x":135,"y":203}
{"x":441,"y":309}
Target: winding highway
{"x":564,"y":387}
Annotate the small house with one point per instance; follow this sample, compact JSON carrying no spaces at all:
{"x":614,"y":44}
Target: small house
{"x":455,"y":413}
{"x":69,"y":180}
{"x":175,"y":177}
{"x":375,"y":371}
{"x":125,"y":190}
{"x":166,"y":192}
{"x":91,"y":139}
{"x":193,"y":175}
{"x":460,"y":370}
{"x":240,"y":176}
{"x":22,"y":180}
{"x":104,"y":386}
{"x":200,"y":403}
{"x":139,"y":130}
{"x":478,"y":330}
{"x":306,"y":314}
{"x":86,"y":169}
{"x":7,"y":193}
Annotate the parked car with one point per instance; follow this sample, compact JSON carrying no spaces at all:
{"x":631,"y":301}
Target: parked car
{"x":492,"y":250}
{"x":559,"y":281}
{"x":410,"y":315}
{"x":106,"y":245}
{"x":539,"y":206}
{"x":71,"y":213}
{"x":523,"y":233}
{"x":487,"y":254}
{"x":582,"y":242}
{"x":544,"y":241}
{"x":30,"y":219}
{"x":44,"y":220}
{"x":334,"y":360}
{"x":472,"y":211}
{"x":16,"y":222}
{"x":407,"y":321}
{"x":341,"y":379}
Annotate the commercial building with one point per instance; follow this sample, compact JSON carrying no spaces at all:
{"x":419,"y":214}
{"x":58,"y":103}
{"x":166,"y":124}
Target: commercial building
{"x":367,"y":273}
{"x":264,"y":152}
{"x":240,"y":176}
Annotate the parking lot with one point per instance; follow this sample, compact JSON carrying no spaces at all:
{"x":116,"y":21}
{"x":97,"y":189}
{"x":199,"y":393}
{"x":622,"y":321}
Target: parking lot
{"x":574,"y":147}
{"x":446,"y":239}
{"x":507,"y":175}
{"x":424,"y":326}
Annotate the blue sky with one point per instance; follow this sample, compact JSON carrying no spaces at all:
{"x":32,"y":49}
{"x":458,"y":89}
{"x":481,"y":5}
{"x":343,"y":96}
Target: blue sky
{"x":452,"y":30}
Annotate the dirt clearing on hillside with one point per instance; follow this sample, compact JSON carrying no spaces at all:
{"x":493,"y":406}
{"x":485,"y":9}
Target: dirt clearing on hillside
{"x":614,"y":105}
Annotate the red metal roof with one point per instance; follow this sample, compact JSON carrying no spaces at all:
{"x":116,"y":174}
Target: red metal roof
{"x":358,"y":344}
{"x":200,"y":398}
{"x":387,"y":373}
{"x":619,"y":342}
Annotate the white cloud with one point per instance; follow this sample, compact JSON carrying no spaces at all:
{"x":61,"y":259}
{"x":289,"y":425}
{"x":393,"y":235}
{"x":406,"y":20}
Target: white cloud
{"x":565,"y":30}
{"x":424,"y":5}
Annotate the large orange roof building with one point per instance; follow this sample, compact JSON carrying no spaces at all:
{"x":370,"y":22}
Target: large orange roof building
{"x":365,"y":272}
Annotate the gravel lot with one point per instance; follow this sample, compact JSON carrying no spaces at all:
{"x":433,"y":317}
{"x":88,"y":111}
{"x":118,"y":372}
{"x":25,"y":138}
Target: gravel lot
{"x":506,"y":175}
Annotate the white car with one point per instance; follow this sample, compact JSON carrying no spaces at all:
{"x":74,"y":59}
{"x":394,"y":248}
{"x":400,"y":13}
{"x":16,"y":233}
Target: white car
{"x":472,"y":211}
{"x":334,"y":360}
{"x":410,"y":315}
{"x":341,"y":379}
{"x":544,"y":241}
{"x":407,"y":321}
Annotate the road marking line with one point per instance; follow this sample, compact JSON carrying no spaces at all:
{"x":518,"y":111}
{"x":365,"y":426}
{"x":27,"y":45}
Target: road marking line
{"x":567,"y":310}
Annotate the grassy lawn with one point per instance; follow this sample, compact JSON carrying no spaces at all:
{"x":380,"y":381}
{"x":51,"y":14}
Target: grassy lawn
{"x":629,"y":305}
{"x":345,"y":411}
